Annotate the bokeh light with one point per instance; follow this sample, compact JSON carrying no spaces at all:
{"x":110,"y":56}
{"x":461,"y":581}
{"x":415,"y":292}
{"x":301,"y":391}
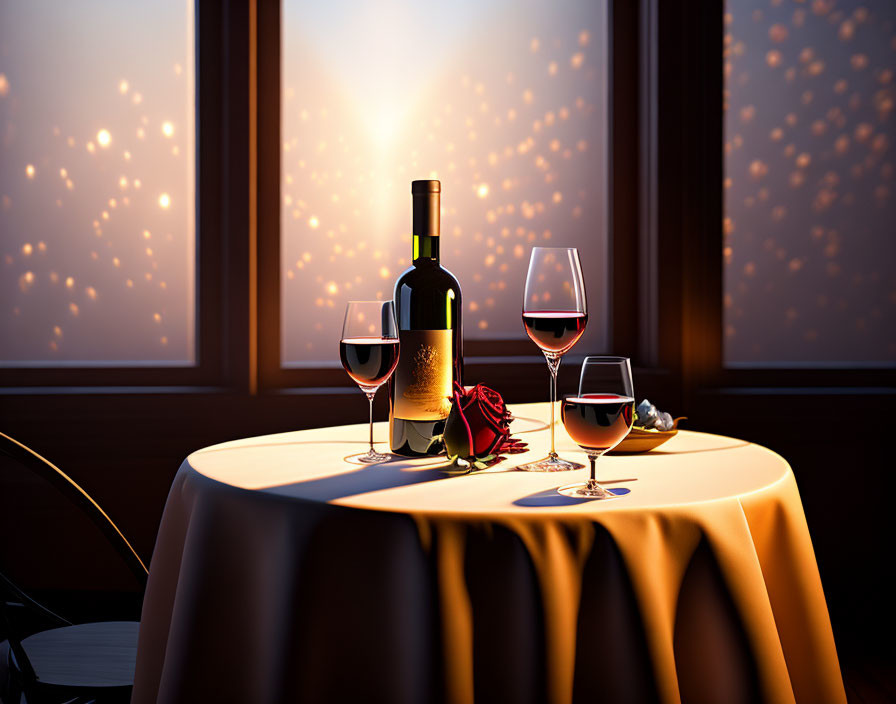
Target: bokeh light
{"x":71,"y":169}
{"x":510,"y":118}
{"x":809,"y":251}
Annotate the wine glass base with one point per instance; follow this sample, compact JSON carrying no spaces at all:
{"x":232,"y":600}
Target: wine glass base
{"x":370,"y":457}
{"x":549,"y":464}
{"x":582,"y":491}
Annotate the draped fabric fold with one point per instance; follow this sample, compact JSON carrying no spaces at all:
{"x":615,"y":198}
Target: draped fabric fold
{"x":407,"y":585}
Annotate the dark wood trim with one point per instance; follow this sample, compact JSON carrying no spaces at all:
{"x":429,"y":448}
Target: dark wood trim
{"x":686,"y":117}
{"x":223,"y":50}
{"x":829,"y":378}
{"x":252,"y":196}
{"x":699,"y":260}
{"x":211,"y":153}
{"x":646,"y":79}
{"x":624,"y":175}
{"x":268,"y":145}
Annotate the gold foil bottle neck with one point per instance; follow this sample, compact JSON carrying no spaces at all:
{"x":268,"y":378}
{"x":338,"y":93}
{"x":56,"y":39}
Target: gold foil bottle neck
{"x":426,"y":202}
{"x":426,"y":186}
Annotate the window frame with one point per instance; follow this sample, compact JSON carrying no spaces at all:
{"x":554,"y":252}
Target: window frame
{"x":238,"y":249}
{"x":218,"y":319}
{"x":690,"y":210}
{"x":484,"y":359}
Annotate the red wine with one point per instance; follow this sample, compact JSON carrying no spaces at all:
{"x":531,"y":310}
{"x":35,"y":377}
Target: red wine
{"x":369,"y":360}
{"x":598,"y":421}
{"x":556,"y":330}
{"x":428,"y":308}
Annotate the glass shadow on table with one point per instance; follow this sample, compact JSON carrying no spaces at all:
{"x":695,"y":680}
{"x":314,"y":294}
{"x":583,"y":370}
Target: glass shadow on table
{"x":550,"y":497}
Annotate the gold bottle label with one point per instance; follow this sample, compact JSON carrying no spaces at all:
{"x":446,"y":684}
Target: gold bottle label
{"x":423,"y":377}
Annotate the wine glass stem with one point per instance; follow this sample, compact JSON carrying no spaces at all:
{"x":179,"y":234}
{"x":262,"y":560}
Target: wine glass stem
{"x":592,"y":482}
{"x":370,"y":395}
{"x":553,"y":365}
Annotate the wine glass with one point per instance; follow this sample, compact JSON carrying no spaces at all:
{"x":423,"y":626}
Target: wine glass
{"x":554,"y":314}
{"x":599,"y":418}
{"x":369,"y":352}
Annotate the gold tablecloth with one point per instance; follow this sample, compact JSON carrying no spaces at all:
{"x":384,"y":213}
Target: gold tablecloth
{"x":284,"y":573}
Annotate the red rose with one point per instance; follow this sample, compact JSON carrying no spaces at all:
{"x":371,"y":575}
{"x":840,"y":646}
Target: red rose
{"x":478,"y":426}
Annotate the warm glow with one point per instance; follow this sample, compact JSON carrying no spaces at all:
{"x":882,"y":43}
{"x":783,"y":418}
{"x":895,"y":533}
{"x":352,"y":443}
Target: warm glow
{"x":167,"y":129}
{"x":482,"y":190}
{"x":164,"y":201}
{"x":103,"y":138}
{"x":313,"y":222}
{"x":29,"y":171}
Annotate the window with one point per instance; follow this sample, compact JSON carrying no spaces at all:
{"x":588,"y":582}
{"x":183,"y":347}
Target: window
{"x":97,"y":160}
{"x":505,"y":105}
{"x":810,"y":195}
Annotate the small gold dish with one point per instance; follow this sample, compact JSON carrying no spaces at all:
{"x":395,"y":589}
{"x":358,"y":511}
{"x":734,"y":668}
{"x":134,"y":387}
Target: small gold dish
{"x":641,"y":440}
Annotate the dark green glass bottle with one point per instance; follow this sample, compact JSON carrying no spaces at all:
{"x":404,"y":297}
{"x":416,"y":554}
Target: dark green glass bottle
{"x":428,"y":307}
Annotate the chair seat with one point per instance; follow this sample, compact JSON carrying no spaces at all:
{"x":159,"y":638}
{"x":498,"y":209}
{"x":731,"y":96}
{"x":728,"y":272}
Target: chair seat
{"x":4,"y":667}
{"x":89,"y":655}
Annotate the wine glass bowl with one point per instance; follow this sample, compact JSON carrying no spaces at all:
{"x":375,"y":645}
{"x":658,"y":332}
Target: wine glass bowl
{"x":369,"y":351}
{"x":555,"y":313}
{"x":369,"y":361}
{"x":555,"y":331}
{"x":600,"y":416}
{"x":597,"y":422}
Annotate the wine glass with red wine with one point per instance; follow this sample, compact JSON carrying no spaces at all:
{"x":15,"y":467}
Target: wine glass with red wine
{"x":554,"y":314}
{"x":599,"y":418}
{"x":369,"y":352}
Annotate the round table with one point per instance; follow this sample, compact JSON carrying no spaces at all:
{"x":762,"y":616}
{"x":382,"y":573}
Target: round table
{"x":282,"y":572}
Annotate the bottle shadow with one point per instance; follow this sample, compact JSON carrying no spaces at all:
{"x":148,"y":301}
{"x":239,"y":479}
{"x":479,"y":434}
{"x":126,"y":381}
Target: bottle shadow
{"x":363,"y":479}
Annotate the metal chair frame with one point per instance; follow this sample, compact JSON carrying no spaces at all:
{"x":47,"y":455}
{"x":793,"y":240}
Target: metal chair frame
{"x":14,"y":602}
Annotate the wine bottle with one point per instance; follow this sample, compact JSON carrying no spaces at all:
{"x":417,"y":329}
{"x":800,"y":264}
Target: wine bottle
{"x":428,"y":308}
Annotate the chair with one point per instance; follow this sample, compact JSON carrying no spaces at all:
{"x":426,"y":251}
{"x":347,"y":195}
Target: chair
{"x":48,"y":658}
